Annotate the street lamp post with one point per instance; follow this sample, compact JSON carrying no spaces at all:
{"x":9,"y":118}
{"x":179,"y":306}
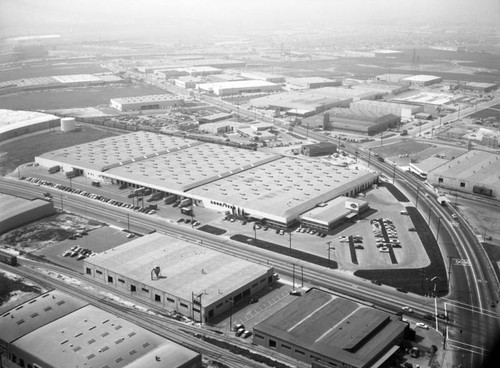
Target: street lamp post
{"x":254,"y":235}
{"x":290,"y":242}
{"x":393,"y":173}
{"x":430,"y":211}
{"x":230,"y":300}
{"x":369,"y":156}
{"x":418,"y":191}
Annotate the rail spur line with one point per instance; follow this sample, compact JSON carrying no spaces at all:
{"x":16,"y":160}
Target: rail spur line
{"x":180,"y":332}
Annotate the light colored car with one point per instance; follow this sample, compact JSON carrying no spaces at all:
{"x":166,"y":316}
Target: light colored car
{"x":407,"y":309}
{"x":454,"y":216}
{"x":422,"y":325}
{"x":67,"y":253}
{"x":246,"y":334}
{"x":384,"y":250}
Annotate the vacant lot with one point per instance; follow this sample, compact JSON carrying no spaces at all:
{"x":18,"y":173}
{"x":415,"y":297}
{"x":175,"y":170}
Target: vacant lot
{"x":20,"y":151}
{"x":73,"y":97}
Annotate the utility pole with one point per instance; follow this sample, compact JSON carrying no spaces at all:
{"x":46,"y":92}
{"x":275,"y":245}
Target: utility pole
{"x":418,"y":190}
{"x":439,"y":224}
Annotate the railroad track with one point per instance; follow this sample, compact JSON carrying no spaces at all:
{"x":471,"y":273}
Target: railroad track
{"x":149,"y":317}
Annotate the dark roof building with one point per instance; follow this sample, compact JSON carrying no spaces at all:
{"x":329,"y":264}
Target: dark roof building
{"x":318,"y":149}
{"x":323,"y":328}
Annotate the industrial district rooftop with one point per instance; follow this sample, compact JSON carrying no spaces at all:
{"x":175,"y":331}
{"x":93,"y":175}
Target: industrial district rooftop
{"x":146,"y":99}
{"x":477,"y":166}
{"x":334,"y":327}
{"x":36,"y":313}
{"x":120,"y":150}
{"x":285,"y":187}
{"x":91,"y":337}
{"x":186,"y":268}
{"x":190,"y":167}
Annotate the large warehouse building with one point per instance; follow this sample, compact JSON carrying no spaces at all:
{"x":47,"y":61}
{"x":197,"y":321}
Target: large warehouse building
{"x":329,"y":331}
{"x":473,"y":172}
{"x":299,"y":103}
{"x":353,"y":120}
{"x":15,"y":123}
{"x":78,"y":334}
{"x":150,"y":102}
{"x":246,"y":183}
{"x":16,"y":211}
{"x":237,"y":87}
{"x":178,"y":276}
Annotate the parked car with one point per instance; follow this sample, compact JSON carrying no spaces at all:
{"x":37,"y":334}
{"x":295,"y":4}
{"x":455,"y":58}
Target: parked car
{"x":246,"y":334}
{"x":238,"y":326}
{"x":295,"y":292}
{"x":239,"y":332}
{"x":401,"y":290}
{"x":422,"y":325}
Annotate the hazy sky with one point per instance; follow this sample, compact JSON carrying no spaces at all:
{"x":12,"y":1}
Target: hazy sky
{"x":28,"y":17}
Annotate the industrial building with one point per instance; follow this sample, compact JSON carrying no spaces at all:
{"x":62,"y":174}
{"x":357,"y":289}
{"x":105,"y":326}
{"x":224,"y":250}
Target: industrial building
{"x":214,"y":118}
{"x":473,"y":172}
{"x":237,"y":87}
{"x":299,"y":103}
{"x":382,"y":88}
{"x":331,"y":214}
{"x":392,"y":77}
{"x":273,"y":78}
{"x":352,"y":94}
{"x":314,"y":82}
{"x":15,"y":123}
{"x":16,"y":211}
{"x":201,"y":71}
{"x":58,"y":81}
{"x":149,"y":102}
{"x":329,"y":331}
{"x":421,"y":80}
{"x":430,"y":99}
{"x":479,"y":87}
{"x":179,"y":276}
{"x":318,"y":149}
{"x":78,"y":334}
{"x":256,"y":184}
{"x":381,"y":108}
{"x":187,"y":81}
{"x":349,"y":120}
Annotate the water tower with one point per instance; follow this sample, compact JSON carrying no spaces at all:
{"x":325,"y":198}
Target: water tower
{"x":68,"y":124}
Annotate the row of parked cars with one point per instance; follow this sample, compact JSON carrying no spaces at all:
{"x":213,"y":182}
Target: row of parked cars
{"x":89,"y":195}
{"x":383,"y":244}
{"x":188,"y":221}
{"x":239,"y":330}
{"x":306,"y":230}
{"x":356,"y":239}
{"x":79,"y":253}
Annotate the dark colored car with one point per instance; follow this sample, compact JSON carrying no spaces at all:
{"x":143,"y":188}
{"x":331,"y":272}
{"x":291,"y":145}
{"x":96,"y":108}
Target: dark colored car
{"x":402,"y":290}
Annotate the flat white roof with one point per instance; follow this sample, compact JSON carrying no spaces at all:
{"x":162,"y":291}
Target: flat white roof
{"x":120,"y":150}
{"x":186,"y":268}
{"x":237,"y":84}
{"x":334,"y":210}
{"x":76,"y":78}
{"x":191,"y":166}
{"x":421,"y":78}
{"x":285,"y":187}
{"x":11,"y":119}
{"x":146,"y":99}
